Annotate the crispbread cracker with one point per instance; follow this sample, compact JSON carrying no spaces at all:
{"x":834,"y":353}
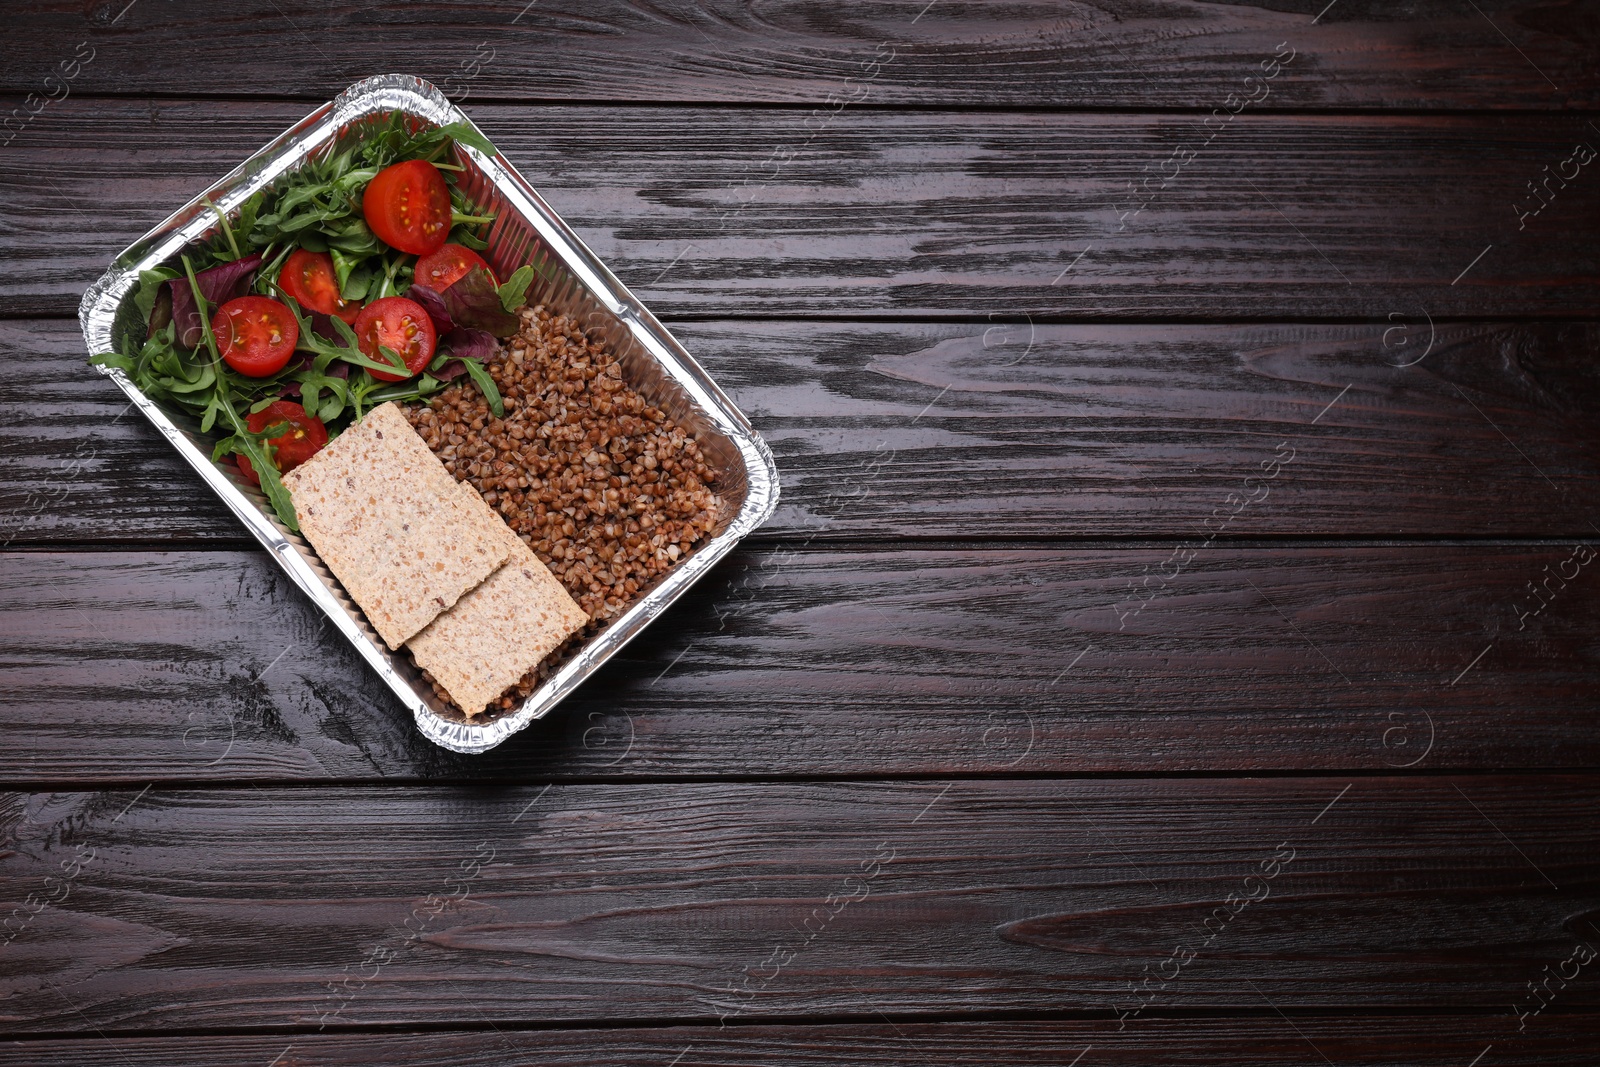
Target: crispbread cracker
{"x":483,"y":513}
{"x":387,"y":519}
{"x":501,"y":630}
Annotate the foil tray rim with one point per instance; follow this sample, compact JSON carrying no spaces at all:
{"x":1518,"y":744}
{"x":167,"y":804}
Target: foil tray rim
{"x":418,"y":98}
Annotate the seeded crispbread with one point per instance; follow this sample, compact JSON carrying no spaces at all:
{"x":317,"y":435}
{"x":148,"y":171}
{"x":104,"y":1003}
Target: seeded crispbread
{"x":501,"y":630}
{"x":387,"y":519}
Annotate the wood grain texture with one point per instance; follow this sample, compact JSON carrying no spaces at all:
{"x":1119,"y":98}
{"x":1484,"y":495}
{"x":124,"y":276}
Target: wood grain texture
{"x":1025,"y":682}
{"x":866,"y":661}
{"x":238,"y":908}
{"x":763,"y":213}
{"x":1106,"y":54}
{"x":995,"y":430}
{"x":1552,"y":1040}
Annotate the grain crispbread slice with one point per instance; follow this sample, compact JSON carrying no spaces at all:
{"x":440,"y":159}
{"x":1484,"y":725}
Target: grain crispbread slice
{"x":385,"y":516}
{"x":487,"y":515}
{"x":501,"y":630}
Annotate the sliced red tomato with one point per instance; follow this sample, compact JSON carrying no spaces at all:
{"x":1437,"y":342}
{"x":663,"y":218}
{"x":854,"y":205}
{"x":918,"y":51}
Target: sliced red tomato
{"x":309,"y":278}
{"x":408,"y":207}
{"x":442,"y":269}
{"x":304,"y":438}
{"x":402,"y":325}
{"x":255,"y":334}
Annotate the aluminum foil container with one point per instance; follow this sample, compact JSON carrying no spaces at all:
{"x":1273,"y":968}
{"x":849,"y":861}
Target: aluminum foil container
{"x":571,"y":281}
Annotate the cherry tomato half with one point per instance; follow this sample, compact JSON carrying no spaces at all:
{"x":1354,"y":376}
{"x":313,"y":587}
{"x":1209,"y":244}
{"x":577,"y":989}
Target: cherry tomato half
{"x":402,"y":325}
{"x":408,"y":207}
{"x":255,"y":334}
{"x":442,"y":269}
{"x":305,"y":437}
{"x":309,"y":278}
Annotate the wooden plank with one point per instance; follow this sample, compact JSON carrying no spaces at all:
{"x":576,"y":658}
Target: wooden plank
{"x":1554,"y":1040}
{"x":1115,"y":54}
{"x":928,"y":213}
{"x":132,"y":666}
{"x":702,"y":901}
{"x":989,"y":429}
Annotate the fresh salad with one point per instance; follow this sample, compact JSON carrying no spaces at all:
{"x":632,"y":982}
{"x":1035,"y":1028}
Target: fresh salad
{"x":353,"y":281}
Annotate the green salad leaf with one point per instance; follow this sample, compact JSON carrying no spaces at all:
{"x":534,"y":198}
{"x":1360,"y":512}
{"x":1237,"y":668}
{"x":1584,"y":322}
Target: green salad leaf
{"x":491,"y":392}
{"x":317,"y":207}
{"x":514,"y":290}
{"x":150,"y":284}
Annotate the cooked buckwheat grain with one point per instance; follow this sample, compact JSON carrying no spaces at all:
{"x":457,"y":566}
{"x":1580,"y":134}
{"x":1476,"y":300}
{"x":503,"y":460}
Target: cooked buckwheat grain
{"x":607,"y":490}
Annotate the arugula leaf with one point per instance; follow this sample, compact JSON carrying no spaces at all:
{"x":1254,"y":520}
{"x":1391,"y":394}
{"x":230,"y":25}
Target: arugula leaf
{"x":297,"y":223}
{"x":463,"y":235}
{"x":332,"y":409}
{"x":461,"y":212}
{"x":346,"y":333}
{"x":258,"y":455}
{"x":466,"y":133}
{"x":347,"y":349}
{"x":343,"y":264}
{"x":295,"y":197}
{"x":204,"y":377}
{"x":353,"y":274}
{"x":514,"y":291}
{"x":213,"y":409}
{"x":248,"y":211}
{"x":399,"y":275}
{"x":267,"y":276}
{"x":394,"y":142}
{"x":125,"y":364}
{"x":149,"y":284}
{"x":353,"y":237}
{"x":396,"y":365}
{"x":486,"y":386}
{"x":266,"y":470}
{"x":317,"y":207}
{"x":202,"y":310}
{"x":350,"y":181}
{"x":359,"y":286}
{"x":416,"y":389}
{"x":222,"y":224}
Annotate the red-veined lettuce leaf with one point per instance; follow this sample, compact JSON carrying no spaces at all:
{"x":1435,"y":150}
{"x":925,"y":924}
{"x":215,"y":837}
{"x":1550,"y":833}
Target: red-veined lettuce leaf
{"x":463,"y":343}
{"x":433,"y":304}
{"x":218,"y":285}
{"x":473,"y":300}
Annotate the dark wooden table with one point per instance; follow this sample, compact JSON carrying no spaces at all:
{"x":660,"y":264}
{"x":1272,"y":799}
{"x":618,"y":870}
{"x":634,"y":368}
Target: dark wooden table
{"x":1177,"y":643}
